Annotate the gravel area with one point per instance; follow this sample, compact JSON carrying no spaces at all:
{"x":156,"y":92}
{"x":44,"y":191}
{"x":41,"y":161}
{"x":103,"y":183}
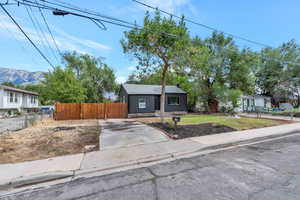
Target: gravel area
{"x":49,"y":138}
{"x":8,"y":125}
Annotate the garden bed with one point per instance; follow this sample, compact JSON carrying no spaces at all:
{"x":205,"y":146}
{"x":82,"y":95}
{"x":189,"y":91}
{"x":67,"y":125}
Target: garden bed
{"x":193,"y":125}
{"x":192,"y":130}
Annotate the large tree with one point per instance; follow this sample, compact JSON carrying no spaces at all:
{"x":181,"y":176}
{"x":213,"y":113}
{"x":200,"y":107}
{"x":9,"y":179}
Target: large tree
{"x":157,"y":46}
{"x":62,"y":86}
{"x":279,"y":73}
{"x":221,"y":71}
{"x":96,"y":77}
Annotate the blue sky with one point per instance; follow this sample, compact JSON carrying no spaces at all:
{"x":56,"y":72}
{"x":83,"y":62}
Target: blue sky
{"x":268,"y":21}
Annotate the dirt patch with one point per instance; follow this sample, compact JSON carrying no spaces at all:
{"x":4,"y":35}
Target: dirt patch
{"x":49,"y":139}
{"x":185,"y":131}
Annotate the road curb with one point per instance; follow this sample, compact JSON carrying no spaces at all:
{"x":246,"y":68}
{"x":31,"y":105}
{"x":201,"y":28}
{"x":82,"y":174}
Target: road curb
{"x":244,"y":142}
{"x":166,"y":157}
{"x":36,"y":179}
{"x":52,"y":176}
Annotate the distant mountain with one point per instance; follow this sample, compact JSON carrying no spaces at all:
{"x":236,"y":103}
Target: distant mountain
{"x":20,"y":77}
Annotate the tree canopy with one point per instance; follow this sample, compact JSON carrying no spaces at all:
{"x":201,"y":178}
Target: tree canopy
{"x":157,"y":46}
{"x":62,"y":86}
{"x":84,"y":78}
{"x":96,"y":77}
{"x":278,"y":74}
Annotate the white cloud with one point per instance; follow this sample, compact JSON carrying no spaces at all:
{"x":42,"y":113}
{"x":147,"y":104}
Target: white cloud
{"x":65,"y":41}
{"x":131,"y":68}
{"x":84,"y":42}
{"x":121,"y":79}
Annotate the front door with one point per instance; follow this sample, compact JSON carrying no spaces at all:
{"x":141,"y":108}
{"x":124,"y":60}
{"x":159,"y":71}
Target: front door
{"x":157,"y":102}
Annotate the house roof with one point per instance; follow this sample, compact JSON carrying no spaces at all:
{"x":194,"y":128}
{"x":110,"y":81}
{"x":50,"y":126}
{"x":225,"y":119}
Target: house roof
{"x":18,"y":90}
{"x":256,"y":96}
{"x":151,"y":89}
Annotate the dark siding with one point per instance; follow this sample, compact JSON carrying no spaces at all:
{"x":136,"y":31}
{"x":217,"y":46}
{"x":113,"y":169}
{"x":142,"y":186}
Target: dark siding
{"x":182,"y":103}
{"x":133,"y":104}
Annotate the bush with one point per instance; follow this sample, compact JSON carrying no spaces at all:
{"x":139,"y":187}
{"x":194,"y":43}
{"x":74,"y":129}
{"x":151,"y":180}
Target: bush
{"x":223,"y":109}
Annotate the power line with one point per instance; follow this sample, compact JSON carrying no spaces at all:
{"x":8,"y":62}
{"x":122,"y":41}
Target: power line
{"x":128,"y":25}
{"x":22,"y":47}
{"x":86,"y":11}
{"x":60,"y":12}
{"x":203,"y":25}
{"x":44,"y":35}
{"x":114,"y":21}
{"x":214,"y":29}
{"x":20,"y":28}
{"x":37,"y":29}
{"x":50,"y":32}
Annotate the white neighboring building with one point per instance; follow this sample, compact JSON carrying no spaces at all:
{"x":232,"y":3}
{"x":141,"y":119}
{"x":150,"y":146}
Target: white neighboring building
{"x":249,"y":103}
{"x":14,"y":99}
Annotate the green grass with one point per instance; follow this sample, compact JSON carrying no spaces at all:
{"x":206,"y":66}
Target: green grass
{"x":242,"y":123}
{"x":296,"y":110}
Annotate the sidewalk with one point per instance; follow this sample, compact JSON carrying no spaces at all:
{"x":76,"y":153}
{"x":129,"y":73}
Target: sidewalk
{"x":269,"y":116}
{"x":20,"y":174}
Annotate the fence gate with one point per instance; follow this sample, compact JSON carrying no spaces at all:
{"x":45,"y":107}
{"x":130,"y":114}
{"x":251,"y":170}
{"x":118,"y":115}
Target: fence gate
{"x":116,"y":110}
{"x":69,"y":111}
{"x":93,"y":110}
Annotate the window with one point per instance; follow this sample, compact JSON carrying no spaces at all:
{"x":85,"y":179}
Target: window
{"x":32,"y":99}
{"x":173,"y":100}
{"x":142,"y":102}
{"x":11,"y":97}
{"x":16,"y":98}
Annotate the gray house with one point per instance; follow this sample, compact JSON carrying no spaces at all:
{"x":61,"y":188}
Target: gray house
{"x":144,"y":100}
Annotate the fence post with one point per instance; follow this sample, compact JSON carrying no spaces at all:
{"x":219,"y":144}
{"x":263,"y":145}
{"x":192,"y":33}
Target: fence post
{"x":81,"y":110}
{"x":55,"y":110}
{"x":26,"y":121}
{"x":105,"y":111}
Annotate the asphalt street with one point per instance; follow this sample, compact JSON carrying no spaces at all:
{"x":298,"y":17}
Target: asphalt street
{"x":269,"y":170}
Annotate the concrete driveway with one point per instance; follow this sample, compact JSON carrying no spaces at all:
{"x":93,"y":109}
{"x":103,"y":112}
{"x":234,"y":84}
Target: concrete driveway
{"x":120,"y":133}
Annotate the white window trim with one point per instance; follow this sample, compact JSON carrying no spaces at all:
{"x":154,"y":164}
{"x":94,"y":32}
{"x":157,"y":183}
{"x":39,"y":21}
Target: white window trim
{"x":141,"y":103}
{"x":16,"y":98}
{"x":11,"y":97}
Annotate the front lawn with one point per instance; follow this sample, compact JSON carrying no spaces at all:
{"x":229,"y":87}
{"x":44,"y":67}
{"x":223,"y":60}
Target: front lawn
{"x":200,"y":125}
{"x":295,"y":112}
{"x":242,"y":123}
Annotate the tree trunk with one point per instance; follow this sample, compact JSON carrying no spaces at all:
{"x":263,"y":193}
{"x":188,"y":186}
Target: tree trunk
{"x":210,"y":98}
{"x":163,"y":93}
{"x":298,"y":101}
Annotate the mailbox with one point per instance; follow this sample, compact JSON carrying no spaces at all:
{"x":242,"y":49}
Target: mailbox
{"x":176,"y":119}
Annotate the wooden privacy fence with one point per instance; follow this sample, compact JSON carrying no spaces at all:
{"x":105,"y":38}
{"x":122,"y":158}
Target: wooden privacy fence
{"x":68,"y":111}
